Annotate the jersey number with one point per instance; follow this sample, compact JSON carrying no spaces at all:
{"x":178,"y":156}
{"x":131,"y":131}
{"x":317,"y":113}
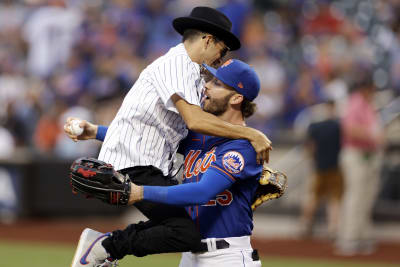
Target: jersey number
{"x":224,"y":199}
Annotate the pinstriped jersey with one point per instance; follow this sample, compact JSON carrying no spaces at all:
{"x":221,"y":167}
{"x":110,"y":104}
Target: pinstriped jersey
{"x":147,"y":128}
{"x":229,"y":213}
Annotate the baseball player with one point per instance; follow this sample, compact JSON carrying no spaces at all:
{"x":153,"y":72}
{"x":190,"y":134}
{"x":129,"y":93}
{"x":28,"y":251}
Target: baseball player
{"x":220,"y":179}
{"x":220,"y":175}
{"x":143,"y":137}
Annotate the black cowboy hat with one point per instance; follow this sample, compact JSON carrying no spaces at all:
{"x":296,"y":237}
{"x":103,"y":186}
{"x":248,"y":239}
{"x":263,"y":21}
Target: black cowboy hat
{"x":211,"y":21}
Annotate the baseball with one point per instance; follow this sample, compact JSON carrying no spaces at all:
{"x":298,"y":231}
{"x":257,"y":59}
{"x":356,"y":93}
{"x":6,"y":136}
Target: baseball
{"x":75,"y":128}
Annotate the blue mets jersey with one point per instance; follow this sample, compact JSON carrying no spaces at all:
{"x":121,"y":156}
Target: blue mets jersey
{"x":229,"y":214}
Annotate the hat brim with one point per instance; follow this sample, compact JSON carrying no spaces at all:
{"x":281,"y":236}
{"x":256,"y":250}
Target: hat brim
{"x":213,"y":72}
{"x":183,"y":23}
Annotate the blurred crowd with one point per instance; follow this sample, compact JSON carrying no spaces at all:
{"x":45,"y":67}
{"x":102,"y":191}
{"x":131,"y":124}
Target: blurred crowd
{"x":61,"y":58}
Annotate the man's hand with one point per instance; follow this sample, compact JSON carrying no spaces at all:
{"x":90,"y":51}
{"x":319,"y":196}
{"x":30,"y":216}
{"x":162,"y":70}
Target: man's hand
{"x":89,"y":129}
{"x":136,"y":194}
{"x":261,"y":144}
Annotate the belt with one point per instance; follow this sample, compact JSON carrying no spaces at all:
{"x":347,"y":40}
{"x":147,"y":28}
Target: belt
{"x":204,"y":247}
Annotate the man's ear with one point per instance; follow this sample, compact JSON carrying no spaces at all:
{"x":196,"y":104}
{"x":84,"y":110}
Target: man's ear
{"x":207,"y":41}
{"x":236,"y":99}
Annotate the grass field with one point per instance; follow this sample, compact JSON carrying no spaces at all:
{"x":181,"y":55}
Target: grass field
{"x":17,"y":254}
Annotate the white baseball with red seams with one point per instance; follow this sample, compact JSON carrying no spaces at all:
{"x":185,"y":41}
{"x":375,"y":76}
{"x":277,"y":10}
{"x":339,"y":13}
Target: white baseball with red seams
{"x":75,"y":127}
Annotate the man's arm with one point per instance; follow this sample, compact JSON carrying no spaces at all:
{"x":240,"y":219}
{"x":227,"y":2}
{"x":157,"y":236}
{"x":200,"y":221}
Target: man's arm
{"x":199,"y":193}
{"x":90,"y":130}
{"x":206,"y":123}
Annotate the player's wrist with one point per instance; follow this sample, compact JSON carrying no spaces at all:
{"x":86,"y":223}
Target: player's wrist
{"x":99,"y":132}
{"x":95,"y":131}
{"x":136,"y":194}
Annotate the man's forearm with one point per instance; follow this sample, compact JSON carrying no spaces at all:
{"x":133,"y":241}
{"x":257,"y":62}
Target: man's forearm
{"x":206,"y":123}
{"x":209,"y":124}
{"x":200,"y":121}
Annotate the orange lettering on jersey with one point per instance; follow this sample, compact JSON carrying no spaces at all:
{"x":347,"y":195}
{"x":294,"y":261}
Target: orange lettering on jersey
{"x":196,"y":169}
{"x":194,"y":166}
{"x":189,"y":160}
{"x":224,"y":199}
{"x":208,"y":159}
{"x":211,"y":202}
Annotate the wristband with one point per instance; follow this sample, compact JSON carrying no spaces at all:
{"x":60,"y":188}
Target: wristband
{"x":101,"y":132}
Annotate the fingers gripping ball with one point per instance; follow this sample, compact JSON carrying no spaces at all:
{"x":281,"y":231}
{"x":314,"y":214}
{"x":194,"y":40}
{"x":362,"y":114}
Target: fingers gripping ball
{"x":272,"y":185}
{"x":98,"y":179}
{"x":75,"y":128}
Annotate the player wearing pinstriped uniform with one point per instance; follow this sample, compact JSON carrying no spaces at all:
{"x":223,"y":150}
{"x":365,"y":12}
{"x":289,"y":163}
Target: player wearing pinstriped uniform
{"x":143,"y":138}
{"x":147,"y":128}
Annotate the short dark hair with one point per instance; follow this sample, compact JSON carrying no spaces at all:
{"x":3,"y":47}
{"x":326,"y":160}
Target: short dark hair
{"x":248,"y":108}
{"x":191,"y":34}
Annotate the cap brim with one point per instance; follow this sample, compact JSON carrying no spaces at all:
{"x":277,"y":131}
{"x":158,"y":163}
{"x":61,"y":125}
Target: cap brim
{"x":183,"y":23}
{"x":210,"y":69}
{"x":214,"y":73}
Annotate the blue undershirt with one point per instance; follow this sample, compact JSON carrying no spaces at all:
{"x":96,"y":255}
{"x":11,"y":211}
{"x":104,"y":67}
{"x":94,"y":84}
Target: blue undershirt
{"x":211,"y":183}
{"x":101,"y":132}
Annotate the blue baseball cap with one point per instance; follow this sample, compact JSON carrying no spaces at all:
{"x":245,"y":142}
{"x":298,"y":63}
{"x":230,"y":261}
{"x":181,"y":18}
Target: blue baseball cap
{"x":238,"y":75}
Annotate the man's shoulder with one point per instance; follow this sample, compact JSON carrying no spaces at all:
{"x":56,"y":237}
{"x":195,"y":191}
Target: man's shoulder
{"x":238,"y":158}
{"x":235,"y":144}
{"x":175,"y":55}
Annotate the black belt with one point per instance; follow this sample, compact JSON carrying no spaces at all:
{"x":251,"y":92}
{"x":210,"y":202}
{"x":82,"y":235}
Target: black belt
{"x":220,"y":244}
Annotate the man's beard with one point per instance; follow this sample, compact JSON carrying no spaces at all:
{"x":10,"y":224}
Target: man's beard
{"x":218,"y":106}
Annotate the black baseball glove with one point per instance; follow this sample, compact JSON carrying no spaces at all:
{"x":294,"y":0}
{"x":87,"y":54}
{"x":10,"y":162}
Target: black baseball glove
{"x":272,"y":185}
{"x":95,"y":178}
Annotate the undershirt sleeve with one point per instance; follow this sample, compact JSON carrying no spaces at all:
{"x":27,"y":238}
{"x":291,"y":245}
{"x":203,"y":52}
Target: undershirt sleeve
{"x":211,"y":183}
{"x":101,"y":132}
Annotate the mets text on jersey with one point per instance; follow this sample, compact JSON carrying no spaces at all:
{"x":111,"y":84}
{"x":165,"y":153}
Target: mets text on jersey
{"x":194,"y":166}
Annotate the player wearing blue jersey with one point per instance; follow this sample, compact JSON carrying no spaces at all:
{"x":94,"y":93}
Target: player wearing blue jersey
{"x":220,"y":175}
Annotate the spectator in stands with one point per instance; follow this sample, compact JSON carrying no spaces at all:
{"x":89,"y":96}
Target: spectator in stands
{"x":50,"y":32}
{"x":48,"y":129}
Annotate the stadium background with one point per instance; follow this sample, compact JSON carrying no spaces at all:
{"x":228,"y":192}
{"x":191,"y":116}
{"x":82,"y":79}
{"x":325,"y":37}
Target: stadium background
{"x":61,"y":58}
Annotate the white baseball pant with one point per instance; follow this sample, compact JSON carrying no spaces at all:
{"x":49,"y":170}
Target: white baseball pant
{"x":239,"y":254}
